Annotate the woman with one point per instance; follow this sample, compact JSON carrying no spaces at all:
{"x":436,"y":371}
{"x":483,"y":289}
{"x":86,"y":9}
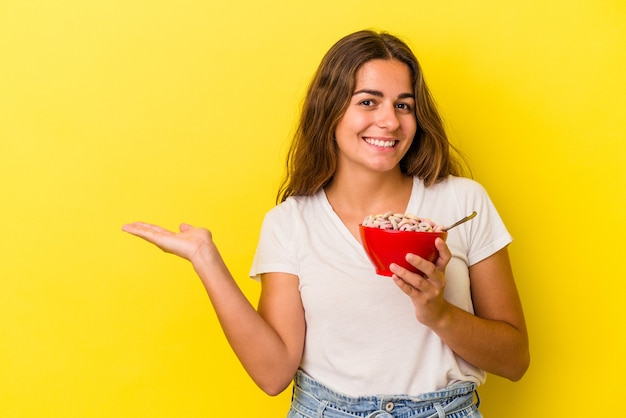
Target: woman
{"x":357,"y":344}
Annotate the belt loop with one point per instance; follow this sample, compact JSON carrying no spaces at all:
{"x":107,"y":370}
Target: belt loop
{"x":320,"y":411}
{"x":477,"y":398}
{"x":440,"y":412}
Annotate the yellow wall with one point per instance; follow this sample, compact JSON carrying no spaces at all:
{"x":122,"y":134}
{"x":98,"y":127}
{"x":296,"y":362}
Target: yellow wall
{"x":165,"y":111}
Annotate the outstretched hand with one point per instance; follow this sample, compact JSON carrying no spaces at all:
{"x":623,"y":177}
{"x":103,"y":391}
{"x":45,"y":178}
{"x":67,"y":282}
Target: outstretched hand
{"x":186,"y":244}
{"x":426,"y":292}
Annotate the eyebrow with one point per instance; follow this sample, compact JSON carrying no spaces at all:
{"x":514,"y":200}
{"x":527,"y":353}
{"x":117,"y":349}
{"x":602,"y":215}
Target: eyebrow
{"x":379,"y":93}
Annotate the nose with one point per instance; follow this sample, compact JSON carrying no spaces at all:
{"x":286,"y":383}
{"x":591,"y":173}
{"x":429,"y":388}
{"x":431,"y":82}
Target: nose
{"x":387,"y":118}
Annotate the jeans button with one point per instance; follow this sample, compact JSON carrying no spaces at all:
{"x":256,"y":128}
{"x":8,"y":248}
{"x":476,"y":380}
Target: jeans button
{"x":389,"y":406}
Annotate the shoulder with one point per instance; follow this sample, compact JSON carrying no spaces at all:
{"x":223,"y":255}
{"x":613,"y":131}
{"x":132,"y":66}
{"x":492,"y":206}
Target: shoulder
{"x":455,"y":197}
{"x":461,"y":187}
{"x":292,"y":208}
{"x":464,"y":184}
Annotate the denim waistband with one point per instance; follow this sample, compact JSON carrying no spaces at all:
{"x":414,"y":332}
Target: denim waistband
{"x":312,"y":398}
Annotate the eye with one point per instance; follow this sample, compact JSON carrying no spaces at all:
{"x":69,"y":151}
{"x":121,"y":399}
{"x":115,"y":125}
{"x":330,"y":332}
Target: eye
{"x":367,"y":102}
{"x":407,"y":107}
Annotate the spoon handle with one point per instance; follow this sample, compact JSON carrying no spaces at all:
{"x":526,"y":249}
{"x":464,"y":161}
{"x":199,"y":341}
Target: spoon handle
{"x":457,"y":223}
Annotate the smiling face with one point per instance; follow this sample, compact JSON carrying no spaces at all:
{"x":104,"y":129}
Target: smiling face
{"x":379,"y":124}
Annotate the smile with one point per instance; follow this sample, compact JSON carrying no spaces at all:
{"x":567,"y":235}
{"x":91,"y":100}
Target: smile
{"x":386,"y":143}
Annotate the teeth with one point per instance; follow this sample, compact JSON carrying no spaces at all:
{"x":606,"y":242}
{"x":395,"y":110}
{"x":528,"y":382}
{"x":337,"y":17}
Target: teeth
{"x":380,"y":143}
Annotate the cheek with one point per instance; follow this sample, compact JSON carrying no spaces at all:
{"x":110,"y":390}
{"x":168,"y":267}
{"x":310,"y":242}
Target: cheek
{"x":410,"y":127}
{"x":354,"y":122}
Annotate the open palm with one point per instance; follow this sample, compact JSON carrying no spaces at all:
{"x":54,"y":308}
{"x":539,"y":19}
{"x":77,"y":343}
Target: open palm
{"x":185,"y":243}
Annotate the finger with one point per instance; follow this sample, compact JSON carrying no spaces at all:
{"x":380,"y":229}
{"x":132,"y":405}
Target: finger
{"x":146,"y":231}
{"x":185,"y":227}
{"x":444,"y":254}
{"x":403,"y":285}
{"x":133,"y":227}
{"x":412,"y":279}
{"x":426,"y":267}
{"x":155,"y":228}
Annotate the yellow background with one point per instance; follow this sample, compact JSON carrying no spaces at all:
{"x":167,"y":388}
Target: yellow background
{"x":166,"y":111}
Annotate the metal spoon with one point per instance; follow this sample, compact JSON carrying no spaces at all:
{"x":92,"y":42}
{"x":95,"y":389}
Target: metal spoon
{"x":457,"y":223}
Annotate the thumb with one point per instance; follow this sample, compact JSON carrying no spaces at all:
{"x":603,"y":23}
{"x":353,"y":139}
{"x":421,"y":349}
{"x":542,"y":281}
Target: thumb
{"x":444,"y":252}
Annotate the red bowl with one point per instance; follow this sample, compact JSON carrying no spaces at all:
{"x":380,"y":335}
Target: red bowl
{"x":386,"y":246}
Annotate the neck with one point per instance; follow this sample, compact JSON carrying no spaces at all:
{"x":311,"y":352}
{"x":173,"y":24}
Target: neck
{"x":370,"y":193}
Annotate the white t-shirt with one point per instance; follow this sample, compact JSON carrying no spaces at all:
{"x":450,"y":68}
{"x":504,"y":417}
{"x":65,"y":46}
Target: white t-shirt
{"x":362,"y":337}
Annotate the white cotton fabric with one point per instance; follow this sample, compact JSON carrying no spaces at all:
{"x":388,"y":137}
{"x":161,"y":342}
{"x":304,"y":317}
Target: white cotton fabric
{"x":362,"y":337}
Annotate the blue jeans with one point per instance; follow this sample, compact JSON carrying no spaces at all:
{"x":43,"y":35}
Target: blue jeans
{"x":311,"y":399}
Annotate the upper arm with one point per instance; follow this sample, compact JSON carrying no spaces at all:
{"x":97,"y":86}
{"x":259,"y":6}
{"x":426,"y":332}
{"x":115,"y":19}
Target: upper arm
{"x":280,"y":305}
{"x":494,"y":294}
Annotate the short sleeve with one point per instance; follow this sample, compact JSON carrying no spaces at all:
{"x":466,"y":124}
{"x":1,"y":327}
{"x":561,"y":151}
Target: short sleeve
{"x":486,"y":233}
{"x":276,"y":248}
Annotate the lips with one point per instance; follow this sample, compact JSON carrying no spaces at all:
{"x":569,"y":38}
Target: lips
{"x":383,"y":143}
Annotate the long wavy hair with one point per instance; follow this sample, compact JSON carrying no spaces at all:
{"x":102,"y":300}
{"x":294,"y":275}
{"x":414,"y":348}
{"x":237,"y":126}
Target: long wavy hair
{"x":312,"y":156}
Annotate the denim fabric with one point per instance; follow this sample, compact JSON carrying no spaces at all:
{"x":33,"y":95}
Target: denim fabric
{"x":311,"y":399}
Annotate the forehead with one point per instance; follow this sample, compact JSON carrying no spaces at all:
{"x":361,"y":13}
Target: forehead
{"x":384,"y":74}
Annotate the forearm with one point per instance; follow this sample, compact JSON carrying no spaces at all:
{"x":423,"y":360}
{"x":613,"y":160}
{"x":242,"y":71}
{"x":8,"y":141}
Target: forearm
{"x":258,"y":346}
{"x":493,"y":345}
{"x":269,"y":350}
